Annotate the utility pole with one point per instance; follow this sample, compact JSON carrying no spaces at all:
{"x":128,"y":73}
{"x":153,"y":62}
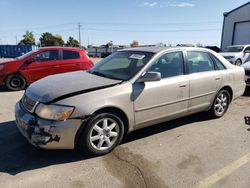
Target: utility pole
{"x":16,"y":40}
{"x":79,"y":30}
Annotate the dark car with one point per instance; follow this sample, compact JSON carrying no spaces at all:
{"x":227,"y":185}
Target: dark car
{"x":38,"y":64}
{"x":247,"y":72}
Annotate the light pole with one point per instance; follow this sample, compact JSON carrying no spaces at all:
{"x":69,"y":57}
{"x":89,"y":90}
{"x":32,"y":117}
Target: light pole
{"x":111,"y":46}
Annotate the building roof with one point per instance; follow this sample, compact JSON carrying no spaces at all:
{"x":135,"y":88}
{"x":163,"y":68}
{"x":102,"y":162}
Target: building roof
{"x":227,"y":13}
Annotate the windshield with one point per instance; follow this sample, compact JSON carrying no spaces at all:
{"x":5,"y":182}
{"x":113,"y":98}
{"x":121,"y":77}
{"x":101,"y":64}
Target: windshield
{"x":26,"y":55}
{"x":233,"y":49}
{"x":122,"y":65}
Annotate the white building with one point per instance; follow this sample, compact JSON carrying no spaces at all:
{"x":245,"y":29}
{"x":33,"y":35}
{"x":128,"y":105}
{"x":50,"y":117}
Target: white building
{"x":236,"y":26}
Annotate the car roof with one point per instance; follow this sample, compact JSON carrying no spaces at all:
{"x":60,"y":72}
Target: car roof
{"x":156,"y":49}
{"x":61,"y":48}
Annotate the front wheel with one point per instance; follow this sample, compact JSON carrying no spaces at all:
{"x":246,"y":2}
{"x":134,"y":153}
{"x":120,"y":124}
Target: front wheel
{"x":15,"y":82}
{"x":102,"y":133}
{"x":220,"y":104}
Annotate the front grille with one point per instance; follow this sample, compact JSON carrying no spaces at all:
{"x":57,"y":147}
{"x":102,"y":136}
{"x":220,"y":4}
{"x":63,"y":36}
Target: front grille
{"x":28,"y":103}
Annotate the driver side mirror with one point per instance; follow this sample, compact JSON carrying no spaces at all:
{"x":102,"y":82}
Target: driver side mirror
{"x":150,"y":77}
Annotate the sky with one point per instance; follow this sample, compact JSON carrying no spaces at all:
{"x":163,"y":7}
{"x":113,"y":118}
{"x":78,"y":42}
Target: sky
{"x":121,"y":21}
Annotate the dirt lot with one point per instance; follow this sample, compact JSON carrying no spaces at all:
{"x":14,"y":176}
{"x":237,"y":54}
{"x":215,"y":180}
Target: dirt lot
{"x":194,"y":151}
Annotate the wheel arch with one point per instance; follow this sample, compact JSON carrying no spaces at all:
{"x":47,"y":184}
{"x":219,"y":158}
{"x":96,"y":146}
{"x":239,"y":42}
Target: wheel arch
{"x":14,"y":73}
{"x":230,"y":91}
{"x":110,"y":109}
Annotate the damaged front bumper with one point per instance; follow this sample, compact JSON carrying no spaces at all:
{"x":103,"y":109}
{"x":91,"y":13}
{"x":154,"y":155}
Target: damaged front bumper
{"x":47,"y":134}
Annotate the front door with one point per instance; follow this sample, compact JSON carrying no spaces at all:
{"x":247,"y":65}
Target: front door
{"x":46,"y":63}
{"x":158,"y":101}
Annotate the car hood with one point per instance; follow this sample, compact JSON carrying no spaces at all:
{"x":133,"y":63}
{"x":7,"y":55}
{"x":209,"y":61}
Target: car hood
{"x":246,"y":65}
{"x":60,"y":86}
{"x":230,"y":53}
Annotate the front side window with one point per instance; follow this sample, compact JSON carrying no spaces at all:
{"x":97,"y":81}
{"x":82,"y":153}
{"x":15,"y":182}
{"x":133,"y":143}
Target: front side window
{"x":70,"y":54}
{"x":170,"y":64}
{"x":122,"y":65}
{"x":199,"y":62}
{"x":50,"y":55}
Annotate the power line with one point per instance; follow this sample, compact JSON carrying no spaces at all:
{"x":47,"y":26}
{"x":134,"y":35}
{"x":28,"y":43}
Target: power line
{"x":38,"y":27}
{"x":114,"y":24}
{"x":152,"y":31}
{"x":151,"y":24}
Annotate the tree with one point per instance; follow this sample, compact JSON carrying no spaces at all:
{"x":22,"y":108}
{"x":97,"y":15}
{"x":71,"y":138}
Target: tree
{"x":58,"y":41}
{"x":28,"y":39}
{"x":47,"y":39}
{"x":72,"y":42}
{"x":134,"y":44}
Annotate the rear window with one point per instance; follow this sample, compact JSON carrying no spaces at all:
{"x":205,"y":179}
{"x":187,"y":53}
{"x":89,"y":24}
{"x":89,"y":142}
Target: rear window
{"x":70,"y":54}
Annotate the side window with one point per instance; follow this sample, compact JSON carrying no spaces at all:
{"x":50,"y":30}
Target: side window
{"x":70,"y":54}
{"x":219,"y":65}
{"x":170,"y":64}
{"x":50,"y":55}
{"x":199,"y":62}
{"x":247,"y":48}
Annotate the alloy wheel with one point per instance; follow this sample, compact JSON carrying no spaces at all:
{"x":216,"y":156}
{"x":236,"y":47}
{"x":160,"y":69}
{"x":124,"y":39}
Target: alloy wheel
{"x":221,"y":103}
{"x":104,"y":134}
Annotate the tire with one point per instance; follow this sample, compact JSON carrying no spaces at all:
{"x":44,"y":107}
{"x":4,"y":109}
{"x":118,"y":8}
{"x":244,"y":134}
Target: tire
{"x":101,"y":134}
{"x":238,"y":62}
{"x":15,"y":82}
{"x":220,"y":104}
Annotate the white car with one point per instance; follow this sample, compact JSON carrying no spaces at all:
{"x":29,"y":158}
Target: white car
{"x":246,"y":66}
{"x":237,"y":54}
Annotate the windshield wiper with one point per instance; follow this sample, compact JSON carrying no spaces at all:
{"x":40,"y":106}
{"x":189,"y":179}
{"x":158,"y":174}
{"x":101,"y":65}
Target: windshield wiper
{"x":104,"y":75}
{"x":99,"y":74}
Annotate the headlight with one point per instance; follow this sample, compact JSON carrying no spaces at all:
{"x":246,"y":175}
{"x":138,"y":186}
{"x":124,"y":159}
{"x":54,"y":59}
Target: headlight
{"x":54,"y":112}
{"x":1,"y":66}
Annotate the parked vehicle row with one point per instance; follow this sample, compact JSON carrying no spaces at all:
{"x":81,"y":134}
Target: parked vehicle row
{"x":35,"y":65}
{"x":128,"y":90}
{"x":237,"y":54}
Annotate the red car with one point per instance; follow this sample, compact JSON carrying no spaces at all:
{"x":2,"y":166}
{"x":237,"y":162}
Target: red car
{"x":38,"y":64}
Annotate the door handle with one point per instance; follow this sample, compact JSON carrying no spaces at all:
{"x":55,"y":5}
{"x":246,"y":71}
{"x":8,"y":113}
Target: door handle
{"x":56,"y":66}
{"x":217,"y":78}
{"x":183,"y":85}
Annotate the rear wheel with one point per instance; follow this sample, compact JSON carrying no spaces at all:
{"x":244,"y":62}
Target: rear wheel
{"x":102,"y":133}
{"x":15,"y":82}
{"x":220,"y":104}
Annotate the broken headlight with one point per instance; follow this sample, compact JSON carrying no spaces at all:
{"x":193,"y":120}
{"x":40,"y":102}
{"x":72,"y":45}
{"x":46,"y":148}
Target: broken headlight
{"x":54,"y":112}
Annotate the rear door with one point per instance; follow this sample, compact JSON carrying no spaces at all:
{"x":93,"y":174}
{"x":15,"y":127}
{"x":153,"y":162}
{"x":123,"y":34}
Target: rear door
{"x":204,"y":80}
{"x":46,"y":63}
{"x":71,"y":61}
